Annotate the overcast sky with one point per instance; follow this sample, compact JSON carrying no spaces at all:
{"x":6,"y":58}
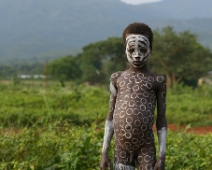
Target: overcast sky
{"x":136,"y":2}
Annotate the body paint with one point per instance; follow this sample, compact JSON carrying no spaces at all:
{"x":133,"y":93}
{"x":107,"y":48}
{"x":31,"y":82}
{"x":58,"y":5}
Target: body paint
{"x":162,"y":141}
{"x":137,"y":43}
{"x":109,"y":130}
{"x":123,"y":167}
{"x":113,"y":89}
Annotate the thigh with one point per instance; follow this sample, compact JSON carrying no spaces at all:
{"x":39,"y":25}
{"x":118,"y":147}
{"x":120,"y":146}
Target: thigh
{"x":146,"y":158}
{"x":123,"y":156}
{"x":119,"y":166}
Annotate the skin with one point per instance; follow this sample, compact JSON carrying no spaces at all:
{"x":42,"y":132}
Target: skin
{"x":134,"y":94}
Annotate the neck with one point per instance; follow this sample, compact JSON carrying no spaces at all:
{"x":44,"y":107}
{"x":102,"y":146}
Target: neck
{"x":142,"y":69}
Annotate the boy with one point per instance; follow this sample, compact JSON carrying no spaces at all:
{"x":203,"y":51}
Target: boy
{"x":134,"y":95}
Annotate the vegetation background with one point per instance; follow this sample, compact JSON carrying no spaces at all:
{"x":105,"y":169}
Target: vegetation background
{"x":61,"y":128}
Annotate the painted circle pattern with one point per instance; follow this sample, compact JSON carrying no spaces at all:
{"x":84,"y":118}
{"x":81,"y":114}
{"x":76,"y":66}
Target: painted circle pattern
{"x":134,"y":116}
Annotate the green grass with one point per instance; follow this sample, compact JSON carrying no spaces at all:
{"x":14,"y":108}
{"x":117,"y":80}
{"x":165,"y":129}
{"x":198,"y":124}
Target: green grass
{"x":189,"y":106}
{"x":67,"y":147}
{"x":23,"y":105}
{"x":62,"y":127}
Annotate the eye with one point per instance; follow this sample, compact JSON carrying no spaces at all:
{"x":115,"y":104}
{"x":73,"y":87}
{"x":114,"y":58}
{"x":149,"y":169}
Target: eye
{"x":143,"y":50}
{"x":131,"y":50}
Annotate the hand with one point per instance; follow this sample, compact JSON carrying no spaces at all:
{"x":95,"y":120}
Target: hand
{"x":160,"y":164}
{"x":105,"y":162}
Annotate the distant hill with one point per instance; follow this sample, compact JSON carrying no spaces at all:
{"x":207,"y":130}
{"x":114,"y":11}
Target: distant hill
{"x":36,"y":30}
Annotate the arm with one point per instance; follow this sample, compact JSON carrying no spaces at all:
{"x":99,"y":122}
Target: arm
{"x":161,"y":124}
{"x":109,"y":129}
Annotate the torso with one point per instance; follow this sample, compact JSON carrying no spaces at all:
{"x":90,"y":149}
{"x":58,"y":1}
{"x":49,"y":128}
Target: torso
{"x":134,"y":110}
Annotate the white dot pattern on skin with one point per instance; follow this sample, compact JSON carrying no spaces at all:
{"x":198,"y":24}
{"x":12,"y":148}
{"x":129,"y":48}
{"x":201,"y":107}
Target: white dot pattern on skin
{"x":134,"y":117}
{"x":114,"y":75}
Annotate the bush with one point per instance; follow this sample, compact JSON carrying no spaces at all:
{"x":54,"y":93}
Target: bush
{"x":64,"y":147}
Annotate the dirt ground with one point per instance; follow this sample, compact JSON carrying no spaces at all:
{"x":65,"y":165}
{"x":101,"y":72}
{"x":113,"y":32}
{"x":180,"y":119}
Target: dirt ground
{"x":196,"y":130}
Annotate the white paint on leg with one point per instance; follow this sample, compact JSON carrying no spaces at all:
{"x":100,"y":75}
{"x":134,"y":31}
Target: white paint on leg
{"x":120,"y":166}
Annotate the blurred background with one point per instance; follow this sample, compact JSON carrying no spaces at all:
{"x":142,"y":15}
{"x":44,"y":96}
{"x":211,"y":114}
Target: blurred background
{"x":36,"y":33}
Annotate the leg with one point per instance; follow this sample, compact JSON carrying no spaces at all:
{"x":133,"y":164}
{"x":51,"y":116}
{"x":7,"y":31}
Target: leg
{"x":146,"y":158}
{"x":123,"y":159}
{"x":120,"y":166}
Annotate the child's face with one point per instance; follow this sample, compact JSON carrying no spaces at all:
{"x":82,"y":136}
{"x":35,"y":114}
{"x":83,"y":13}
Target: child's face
{"x":137,"y":49}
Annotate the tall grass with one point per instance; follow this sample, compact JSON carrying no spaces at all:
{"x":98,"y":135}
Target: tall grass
{"x":67,"y":147}
{"x":21,"y":106}
{"x":61,"y":128}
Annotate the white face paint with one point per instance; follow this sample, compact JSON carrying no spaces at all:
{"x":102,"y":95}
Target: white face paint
{"x":137,"y":50}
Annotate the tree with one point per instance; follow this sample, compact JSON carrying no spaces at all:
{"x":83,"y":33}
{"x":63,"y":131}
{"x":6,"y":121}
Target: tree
{"x":179,"y":56}
{"x":114,"y":56}
{"x":65,"y":68}
{"x":176,"y":55}
{"x":105,"y":56}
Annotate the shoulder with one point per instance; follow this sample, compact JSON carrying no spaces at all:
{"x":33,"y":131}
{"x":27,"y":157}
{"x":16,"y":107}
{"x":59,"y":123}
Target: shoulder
{"x":159,"y":78}
{"x":115,"y":76}
{"x":160,"y":81}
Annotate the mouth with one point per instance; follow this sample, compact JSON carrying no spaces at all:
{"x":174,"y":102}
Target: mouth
{"x":137,"y":63}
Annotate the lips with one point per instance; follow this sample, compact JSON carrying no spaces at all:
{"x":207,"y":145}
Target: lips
{"x":137,"y":62}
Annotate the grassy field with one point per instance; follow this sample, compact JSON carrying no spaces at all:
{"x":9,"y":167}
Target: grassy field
{"x":26,"y":103}
{"x":61,"y":128}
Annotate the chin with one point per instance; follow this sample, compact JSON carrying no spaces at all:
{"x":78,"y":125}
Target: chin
{"x":137,"y":66}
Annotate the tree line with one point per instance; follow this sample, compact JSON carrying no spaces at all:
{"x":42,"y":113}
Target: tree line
{"x":12,"y":70}
{"x":178,"y":56}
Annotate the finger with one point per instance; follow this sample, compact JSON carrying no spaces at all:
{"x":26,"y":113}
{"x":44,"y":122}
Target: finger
{"x":155,"y":168}
{"x":102,"y":168}
{"x":108,"y":166}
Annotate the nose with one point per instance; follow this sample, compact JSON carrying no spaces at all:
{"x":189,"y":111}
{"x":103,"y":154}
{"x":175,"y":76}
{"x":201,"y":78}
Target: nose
{"x":137,"y":58}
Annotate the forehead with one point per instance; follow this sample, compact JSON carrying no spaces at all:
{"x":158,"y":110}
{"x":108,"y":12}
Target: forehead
{"x":134,"y":37}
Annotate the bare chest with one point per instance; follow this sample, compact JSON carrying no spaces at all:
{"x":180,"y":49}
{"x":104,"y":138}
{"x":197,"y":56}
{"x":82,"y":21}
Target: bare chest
{"x":137,"y":87}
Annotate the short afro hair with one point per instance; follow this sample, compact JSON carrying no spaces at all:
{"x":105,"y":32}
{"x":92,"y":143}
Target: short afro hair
{"x":138,"y":28}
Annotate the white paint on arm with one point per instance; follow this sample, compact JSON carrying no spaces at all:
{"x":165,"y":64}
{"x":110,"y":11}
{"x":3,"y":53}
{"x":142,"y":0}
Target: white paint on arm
{"x":109,"y":131}
{"x":162,"y":141}
{"x":113,"y":89}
